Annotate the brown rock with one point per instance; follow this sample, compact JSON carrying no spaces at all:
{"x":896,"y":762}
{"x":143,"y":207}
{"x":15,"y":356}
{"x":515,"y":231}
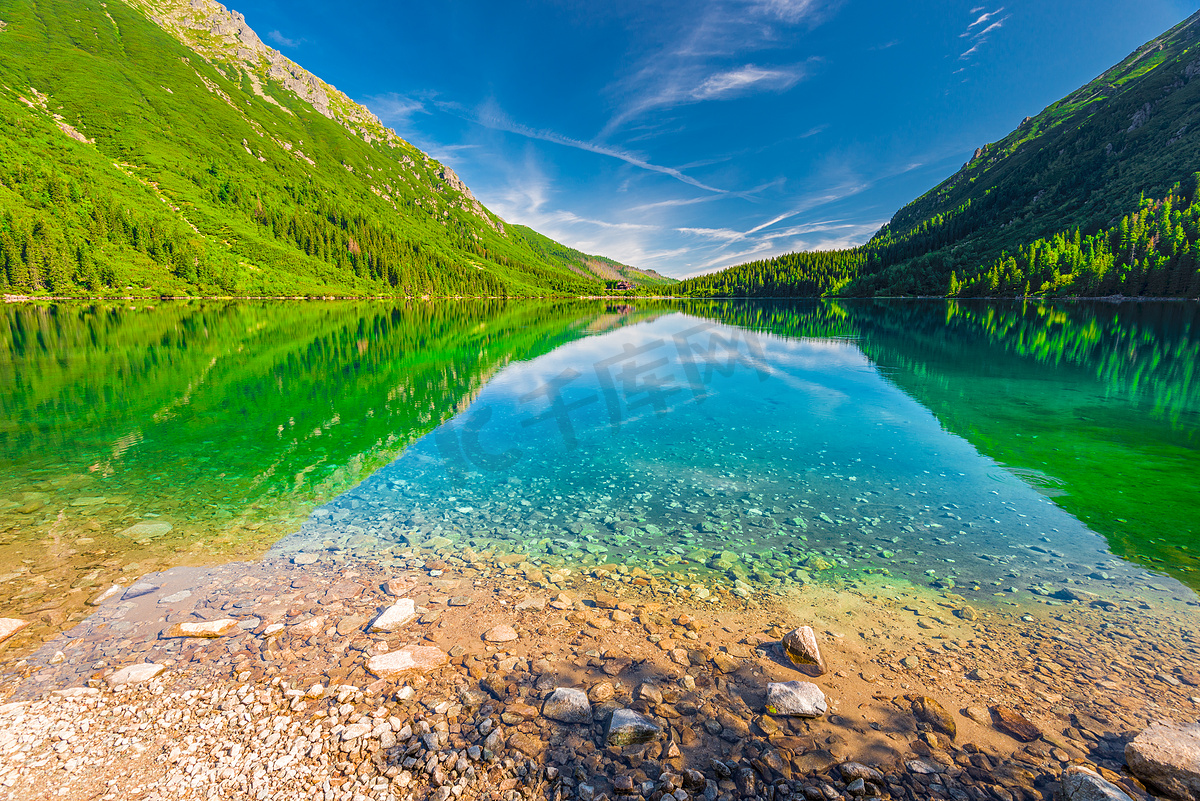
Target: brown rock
{"x":1014,"y":724}
{"x":927,"y":710}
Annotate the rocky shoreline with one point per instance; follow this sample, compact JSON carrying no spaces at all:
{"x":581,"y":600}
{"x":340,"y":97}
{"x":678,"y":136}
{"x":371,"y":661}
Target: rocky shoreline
{"x":440,"y":676}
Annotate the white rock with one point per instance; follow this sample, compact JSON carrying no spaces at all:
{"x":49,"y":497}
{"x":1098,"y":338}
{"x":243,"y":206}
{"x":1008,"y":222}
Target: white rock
{"x":147,"y":529}
{"x":410,"y":657}
{"x":10,"y":626}
{"x":104,"y":596}
{"x":208,"y":628}
{"x":135,"y":674}
{"x":355,"y":730}
{"x":1084,"y":784}
{"x":568,"y":705}
{"x":305,"y":559}
{"x":802,"y":698}
{"x":395,"y":616}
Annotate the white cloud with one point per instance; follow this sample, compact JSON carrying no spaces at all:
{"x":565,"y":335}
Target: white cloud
{"x":394,"y":108}
{"x":499,"y":121}
{"x":738,"y":81}
{"x":980,"y":37}
{"x":281,"y":40}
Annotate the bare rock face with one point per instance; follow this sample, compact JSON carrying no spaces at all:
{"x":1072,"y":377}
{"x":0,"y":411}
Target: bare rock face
{"x":801,"y":647}
{"x":410,"y":657}
{"x":1080,"y":783}
{"x":1166,"y":756}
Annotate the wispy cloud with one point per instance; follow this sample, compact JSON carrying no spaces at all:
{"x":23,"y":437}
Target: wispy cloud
{"x":707,"y":60}
{"x":979,"y":36}
{"x":394,"y":108}
{"x":281,"y":40}
{"x":721,"y":85}
{"x":497,"y":120}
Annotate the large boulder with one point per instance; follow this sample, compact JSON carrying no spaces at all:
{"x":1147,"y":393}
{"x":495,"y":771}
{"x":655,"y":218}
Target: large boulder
{"x":1166,"y":756}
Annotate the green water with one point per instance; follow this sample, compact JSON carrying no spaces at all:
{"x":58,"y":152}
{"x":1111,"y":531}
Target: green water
{"x":998,"y":446}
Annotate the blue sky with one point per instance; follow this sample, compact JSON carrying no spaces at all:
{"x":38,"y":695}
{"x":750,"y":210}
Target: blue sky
{"x":688,"y":136}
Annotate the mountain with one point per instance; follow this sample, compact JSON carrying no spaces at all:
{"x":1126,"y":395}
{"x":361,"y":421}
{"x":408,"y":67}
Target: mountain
{"x":158,"y":146}
{"x":1093,"y":196}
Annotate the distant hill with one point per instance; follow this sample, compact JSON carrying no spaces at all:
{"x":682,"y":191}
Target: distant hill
{"x":1093,"y":196}
{"x":159,"y":147}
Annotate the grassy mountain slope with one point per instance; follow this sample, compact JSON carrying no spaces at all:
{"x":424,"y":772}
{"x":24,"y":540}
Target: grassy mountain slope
{"x":1083,"y":164}
{"x":187,"y":157}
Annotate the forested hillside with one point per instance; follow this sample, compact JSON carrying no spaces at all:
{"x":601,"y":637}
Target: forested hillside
{"x":1096,"y":195}
{"x":159,"y":147}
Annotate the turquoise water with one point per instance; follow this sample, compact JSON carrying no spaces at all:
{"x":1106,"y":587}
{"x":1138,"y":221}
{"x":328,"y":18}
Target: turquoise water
{"x":684,"y":445}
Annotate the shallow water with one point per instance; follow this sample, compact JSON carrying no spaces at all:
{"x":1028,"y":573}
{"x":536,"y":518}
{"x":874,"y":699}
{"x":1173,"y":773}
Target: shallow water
{"x":723,"y":455}
{"x":1002,"y":451}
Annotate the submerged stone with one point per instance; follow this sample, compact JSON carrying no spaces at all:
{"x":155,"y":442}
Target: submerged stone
{"x":927,"y":710}
{"x":410,"y":657}
{"x":626,"y":727}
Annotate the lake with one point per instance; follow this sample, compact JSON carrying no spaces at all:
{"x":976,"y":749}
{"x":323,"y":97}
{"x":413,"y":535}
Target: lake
{"x":1006,"y":453}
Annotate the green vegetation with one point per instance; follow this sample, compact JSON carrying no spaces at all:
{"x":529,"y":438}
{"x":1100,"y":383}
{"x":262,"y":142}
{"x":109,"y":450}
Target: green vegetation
{"x":223,"y":412}
{"x":1058,"y":207}
{"x":129,"y":163}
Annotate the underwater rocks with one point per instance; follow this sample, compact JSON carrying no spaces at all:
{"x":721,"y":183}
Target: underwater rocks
{"x":412,"y":657}
{"x":396,"y":616}
{"x":626,"y":727}
{"x":927,"y":710}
